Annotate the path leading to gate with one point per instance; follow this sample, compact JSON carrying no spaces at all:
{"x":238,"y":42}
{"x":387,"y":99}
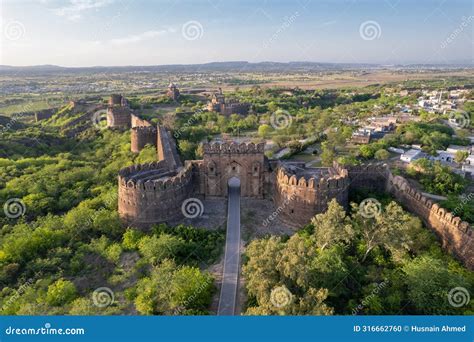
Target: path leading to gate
{"x":230,"y":278}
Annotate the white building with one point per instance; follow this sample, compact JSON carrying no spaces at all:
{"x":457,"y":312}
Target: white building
{"x":396,"y":150}
{"x":411,"y":155}
{"x":445,"y":156}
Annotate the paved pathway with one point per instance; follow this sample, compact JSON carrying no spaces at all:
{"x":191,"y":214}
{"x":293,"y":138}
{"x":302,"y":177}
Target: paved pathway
{"x":230,"y":278}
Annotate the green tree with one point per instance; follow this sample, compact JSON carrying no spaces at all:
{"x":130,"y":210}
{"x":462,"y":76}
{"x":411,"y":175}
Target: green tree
{"x":187,"y":149}
{"x":429,"y":282}
{"x":461,"y":156}
{"x":191,"y":289}
{"x":264,"y":130}
{"x":130,"y":238}
{"x":382,"y":154}
{"x":327,"y":155}
{"x":156,"y":249}
{"x":60,"y":292}
{"x":332,"y":226}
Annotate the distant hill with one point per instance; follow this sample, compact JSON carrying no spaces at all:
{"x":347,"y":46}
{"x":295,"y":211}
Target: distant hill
{"x":237,"y":66}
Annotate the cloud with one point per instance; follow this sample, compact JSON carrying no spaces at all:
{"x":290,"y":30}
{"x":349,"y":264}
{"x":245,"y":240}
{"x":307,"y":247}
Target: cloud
{"x":73,"y":11}
{"x":134,"y":38}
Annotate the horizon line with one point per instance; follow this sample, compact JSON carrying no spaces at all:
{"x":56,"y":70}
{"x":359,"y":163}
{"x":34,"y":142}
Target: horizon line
{"x":454,"y":63}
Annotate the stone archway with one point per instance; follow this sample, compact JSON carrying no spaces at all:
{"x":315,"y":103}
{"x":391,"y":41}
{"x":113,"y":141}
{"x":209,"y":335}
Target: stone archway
{"x":233,"y":184}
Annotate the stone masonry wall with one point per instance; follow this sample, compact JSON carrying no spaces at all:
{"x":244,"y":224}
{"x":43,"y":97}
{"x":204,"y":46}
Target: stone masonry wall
{"x":298,"y":200}
{"x":145,"y":202}
{"x":141,"y":136}
{"x":455,"y":235}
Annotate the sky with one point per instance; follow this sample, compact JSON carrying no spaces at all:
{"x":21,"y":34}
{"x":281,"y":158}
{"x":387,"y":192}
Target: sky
{"x":78,"y":33}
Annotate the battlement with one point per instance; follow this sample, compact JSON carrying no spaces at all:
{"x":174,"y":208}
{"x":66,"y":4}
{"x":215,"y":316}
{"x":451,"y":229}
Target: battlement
{"x":128,"y":171}
{"x":138,"y":122}
{"x":144,"y":129}
{"x":233,"y":148}
{"x":317,"y":178}
{"x":151,"y":193}
{"x":301,"y":192}
{"x":153,"y":176}
{"x":117,"y":100}
{"x":443,"y":215}
{"x":368,"y":168}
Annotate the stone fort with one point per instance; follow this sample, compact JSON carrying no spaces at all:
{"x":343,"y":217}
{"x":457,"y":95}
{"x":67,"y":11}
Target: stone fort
{"x":154,"y":192}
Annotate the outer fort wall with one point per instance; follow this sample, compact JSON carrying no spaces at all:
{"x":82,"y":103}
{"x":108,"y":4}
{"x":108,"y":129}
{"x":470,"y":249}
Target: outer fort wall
{"x":145,"y":202}
{"x":370,"y":177}
{"x":45,"y":114}
{"x":118,"y":117}
{"x":141,"y":136}
{"x":115,"y":99}
{"x":166,"y":148}
{"x":298,"y":200}
{"x":455,"y":235}
{"x":137,"y":122}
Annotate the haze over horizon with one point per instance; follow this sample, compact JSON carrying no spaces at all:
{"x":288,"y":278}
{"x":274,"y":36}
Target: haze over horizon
{"x":85,"y":33}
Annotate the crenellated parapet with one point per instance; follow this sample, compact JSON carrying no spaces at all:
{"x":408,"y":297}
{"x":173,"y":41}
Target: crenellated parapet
{"x":152,"y":193}
{"x":455,"y":235}
{"x":129,"y":172}
{"x":300,"y":193}
{"x":233,"y":148}
{"x":322,"y":181}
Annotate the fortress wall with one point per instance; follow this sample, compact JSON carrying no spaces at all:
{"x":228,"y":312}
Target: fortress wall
{"x":166,"y":148}
{"x":118,"y":117}
{"x":45,"y":114}
{"x":368,"y":177}
{"x":455,"y":235}
{"x":138,"y":122}
{"x":143,"y":203}
{"x":298,"y":200}
{"x":115,"y":99}
{"x":141,"y":136}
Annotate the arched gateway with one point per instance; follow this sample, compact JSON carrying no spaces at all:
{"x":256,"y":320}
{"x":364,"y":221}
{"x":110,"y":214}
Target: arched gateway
{"x":223,"y":162}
